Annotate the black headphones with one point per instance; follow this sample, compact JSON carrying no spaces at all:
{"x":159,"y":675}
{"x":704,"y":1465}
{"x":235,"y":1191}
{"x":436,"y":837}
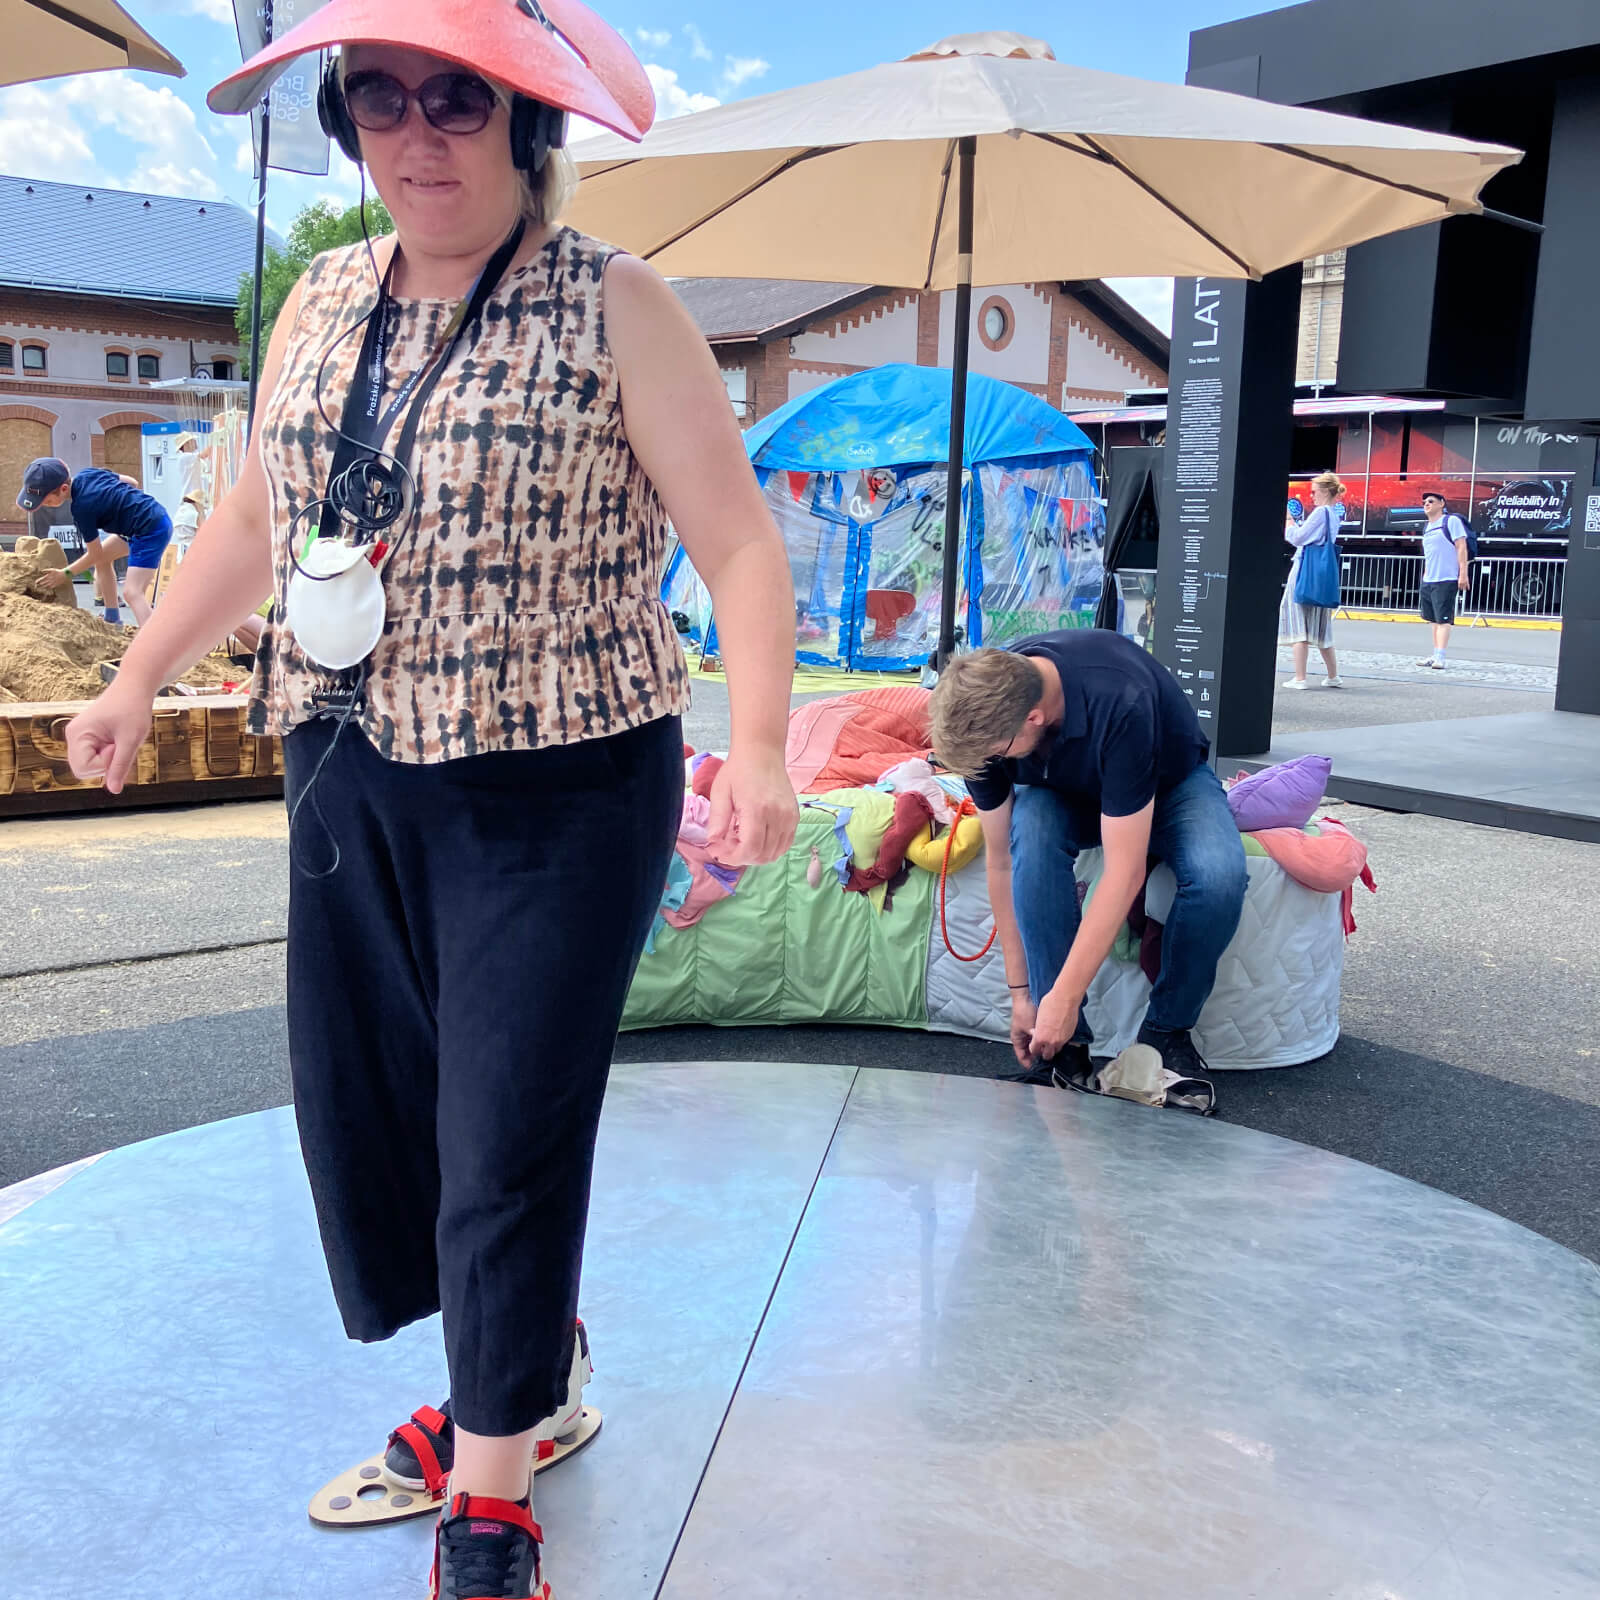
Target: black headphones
{"x":536,"y":129}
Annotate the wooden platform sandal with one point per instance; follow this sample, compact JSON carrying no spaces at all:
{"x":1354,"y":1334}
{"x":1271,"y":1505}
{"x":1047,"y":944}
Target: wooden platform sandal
{"x":411,"y":1476}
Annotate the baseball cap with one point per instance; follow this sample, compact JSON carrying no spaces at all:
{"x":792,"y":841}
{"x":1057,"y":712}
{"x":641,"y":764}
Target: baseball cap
{"x":42,"y":477}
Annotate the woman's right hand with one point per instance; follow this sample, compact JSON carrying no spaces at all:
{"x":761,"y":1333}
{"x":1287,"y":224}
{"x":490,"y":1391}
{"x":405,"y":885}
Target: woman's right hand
{"x":104,"y":740}
{"x":1024,"y":1017}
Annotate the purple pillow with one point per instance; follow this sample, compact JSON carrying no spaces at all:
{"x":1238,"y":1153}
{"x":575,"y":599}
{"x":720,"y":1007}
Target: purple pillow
{"x":1284,"y":796}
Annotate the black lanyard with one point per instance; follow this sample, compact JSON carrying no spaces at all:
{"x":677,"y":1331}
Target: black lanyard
{"x":361,"y":429}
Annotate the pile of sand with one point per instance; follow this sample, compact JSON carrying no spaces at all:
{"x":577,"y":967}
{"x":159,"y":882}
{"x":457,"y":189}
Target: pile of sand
{"x":21,"y":573}
{"x":50,"y":649}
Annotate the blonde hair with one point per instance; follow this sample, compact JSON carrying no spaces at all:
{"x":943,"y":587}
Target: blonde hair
{"x":1329,"y":483}
{"x":547,"y":193}
{"x":981,"y":702}
{"x":544,"y":195}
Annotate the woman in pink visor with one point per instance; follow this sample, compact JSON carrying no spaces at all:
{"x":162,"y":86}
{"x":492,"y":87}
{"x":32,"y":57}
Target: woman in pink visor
{"x":470,"y":441}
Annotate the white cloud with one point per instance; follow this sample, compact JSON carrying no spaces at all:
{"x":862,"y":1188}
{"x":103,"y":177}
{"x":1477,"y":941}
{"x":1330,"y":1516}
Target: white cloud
{"x":106,"y":128}
{"x":1150,"y":297}
{"x":154,"y":118}
{"x":672,"y":99}
{"x":653,"y":38}
{"x":170,"y":178}
{"x":220,"y":11}
{"x":39,"y":140}
{"x":740,"y":69}
{"x":698,"y":47}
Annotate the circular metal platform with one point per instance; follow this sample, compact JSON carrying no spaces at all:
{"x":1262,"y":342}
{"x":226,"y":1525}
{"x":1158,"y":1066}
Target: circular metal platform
{"x":857,"y":1334}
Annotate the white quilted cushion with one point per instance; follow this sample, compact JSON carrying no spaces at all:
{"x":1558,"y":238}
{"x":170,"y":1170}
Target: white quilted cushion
{"x":967,"y":996}
{"x":1276,"y":1001}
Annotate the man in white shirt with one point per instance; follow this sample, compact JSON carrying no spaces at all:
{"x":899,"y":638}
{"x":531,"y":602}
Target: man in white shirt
{"x":1444,"y":573}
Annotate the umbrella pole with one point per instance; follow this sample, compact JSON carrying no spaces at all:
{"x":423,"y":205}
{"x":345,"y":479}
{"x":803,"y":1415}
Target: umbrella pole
{"x":261,"y":246}
{"x":966,"y":151}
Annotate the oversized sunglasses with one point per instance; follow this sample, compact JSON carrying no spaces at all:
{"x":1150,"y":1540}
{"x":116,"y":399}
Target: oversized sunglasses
{"x":452,"y":102}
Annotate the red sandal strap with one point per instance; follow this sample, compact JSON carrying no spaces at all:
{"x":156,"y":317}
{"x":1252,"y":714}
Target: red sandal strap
{"x":433,"y":1420}
{"x":482,"y":1505}
{"x":434,"y":1477}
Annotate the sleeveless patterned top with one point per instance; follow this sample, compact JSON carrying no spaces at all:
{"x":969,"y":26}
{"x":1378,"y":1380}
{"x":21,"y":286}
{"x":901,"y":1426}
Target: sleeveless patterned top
{"x":523,"y":592}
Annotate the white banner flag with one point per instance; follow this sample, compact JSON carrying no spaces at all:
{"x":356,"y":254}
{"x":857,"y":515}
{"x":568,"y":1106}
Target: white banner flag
{"x":298,"y":143}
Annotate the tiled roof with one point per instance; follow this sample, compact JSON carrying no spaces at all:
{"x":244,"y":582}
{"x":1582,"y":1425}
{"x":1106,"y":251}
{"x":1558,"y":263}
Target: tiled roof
{"x":731,"y":309}
{"x":67,"y":238}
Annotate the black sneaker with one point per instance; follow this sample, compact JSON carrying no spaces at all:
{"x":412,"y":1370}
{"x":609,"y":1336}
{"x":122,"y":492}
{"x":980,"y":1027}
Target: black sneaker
{"x":422,"y":1451}
{"x":1074,"y":1068}
{"x":487,"y":1550}
{"x":1071,"y":1069}
{"x":1193,"y":1091}
{"x":1039,"y":1077}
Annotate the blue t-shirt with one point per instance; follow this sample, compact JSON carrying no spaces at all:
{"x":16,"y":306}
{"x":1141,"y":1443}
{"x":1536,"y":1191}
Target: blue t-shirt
{"x":1127,"y":734}
{"x":1440,"y":561}
{"x":103,"y":503}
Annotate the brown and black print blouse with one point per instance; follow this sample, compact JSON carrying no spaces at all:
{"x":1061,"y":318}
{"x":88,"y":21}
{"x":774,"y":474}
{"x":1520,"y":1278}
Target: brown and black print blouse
{"x":523,"y":595}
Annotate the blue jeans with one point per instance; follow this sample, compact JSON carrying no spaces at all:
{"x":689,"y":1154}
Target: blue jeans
{"x":1193,"y":831}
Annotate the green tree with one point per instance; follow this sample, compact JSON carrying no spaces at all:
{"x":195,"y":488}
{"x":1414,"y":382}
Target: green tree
{"x":319,"y":227}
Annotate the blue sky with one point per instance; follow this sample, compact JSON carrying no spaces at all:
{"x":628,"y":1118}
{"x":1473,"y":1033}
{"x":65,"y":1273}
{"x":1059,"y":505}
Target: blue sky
{"x":137,"y":131}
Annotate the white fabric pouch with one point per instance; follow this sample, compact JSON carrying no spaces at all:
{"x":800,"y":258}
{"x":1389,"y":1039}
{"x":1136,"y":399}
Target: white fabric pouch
{"x":335,"y":605}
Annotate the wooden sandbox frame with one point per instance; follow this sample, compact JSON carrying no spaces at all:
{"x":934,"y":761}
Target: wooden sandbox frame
{"x":198,"y":750}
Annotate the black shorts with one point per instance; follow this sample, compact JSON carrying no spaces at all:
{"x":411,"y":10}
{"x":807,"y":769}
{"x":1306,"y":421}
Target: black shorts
{"x":1439,"y":600}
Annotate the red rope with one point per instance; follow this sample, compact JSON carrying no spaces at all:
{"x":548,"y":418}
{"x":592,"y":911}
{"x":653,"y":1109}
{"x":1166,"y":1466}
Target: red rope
{"x":965,"y":809}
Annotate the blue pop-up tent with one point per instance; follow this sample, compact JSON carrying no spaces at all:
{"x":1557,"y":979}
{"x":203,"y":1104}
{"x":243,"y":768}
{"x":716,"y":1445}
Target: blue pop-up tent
{"x":855,"y":475}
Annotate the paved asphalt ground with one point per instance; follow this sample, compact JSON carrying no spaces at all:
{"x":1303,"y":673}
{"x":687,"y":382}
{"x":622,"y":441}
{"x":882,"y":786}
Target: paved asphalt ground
{"x":141,"y":975}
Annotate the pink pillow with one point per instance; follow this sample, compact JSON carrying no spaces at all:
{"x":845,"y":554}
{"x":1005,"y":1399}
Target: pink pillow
{"x":1328,"y":862}
{"x":1284,"y":796}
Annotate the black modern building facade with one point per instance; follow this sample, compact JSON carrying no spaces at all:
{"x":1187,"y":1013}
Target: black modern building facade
{"x":1497,"y":316}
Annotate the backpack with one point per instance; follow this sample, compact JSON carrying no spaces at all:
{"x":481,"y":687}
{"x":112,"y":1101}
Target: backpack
{"x":1462,"y":530}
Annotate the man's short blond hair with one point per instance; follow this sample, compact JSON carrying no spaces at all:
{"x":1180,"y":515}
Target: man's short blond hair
{"x":979,"y":706}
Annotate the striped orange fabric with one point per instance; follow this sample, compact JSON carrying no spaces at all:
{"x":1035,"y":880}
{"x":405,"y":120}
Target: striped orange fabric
{"x":853,"y":739}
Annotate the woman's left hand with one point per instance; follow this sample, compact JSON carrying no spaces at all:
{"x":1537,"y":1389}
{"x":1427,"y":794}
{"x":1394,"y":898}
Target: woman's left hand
{"x":753,"y":811}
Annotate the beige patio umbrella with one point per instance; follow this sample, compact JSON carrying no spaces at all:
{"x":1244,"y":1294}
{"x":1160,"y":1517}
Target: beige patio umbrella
{"x":54,"y":38}
{"x":984,"y":160}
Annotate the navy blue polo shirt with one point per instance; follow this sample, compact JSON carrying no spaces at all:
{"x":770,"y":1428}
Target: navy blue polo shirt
{"x":1127,"y":734}
{"x":103,"y":503}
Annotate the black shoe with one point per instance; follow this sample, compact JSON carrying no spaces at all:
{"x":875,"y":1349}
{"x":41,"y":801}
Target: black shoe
{"x":1194,"y":1090}
{"x":487,"y":1550}
{"x":1074,"y":1068}
{"x":1039,"y":1077}
{"x":1071,"y":1069}
{"x":431,"y":1430}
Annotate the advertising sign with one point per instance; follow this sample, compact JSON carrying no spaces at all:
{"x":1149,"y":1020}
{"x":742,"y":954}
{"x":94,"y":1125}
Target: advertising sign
{"x":297,"y":142}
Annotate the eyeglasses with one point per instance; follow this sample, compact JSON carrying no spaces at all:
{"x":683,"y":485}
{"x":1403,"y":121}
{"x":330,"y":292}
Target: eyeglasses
{"x":452,"y":102}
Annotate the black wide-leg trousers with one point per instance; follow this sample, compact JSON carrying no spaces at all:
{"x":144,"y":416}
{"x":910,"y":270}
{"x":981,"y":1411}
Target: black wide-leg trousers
{"x":455,"y":986}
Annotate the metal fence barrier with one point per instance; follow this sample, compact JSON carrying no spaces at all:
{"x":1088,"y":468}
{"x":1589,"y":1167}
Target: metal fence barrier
{"x":1498,"y":586}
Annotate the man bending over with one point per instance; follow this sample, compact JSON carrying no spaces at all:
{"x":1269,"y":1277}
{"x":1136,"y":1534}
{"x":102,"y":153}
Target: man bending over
{"x":115,"y":517}
{"x":1074,"y":739}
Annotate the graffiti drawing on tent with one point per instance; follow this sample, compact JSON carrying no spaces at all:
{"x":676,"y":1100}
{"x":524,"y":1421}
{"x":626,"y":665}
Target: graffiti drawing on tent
{"x":855,"y":475}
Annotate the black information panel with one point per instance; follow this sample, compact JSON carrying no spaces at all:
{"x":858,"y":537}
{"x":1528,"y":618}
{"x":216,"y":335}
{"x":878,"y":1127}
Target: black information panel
{"x":1222,"y":555}
{"x":1578,"y":671}
{"x":1202,"y":438}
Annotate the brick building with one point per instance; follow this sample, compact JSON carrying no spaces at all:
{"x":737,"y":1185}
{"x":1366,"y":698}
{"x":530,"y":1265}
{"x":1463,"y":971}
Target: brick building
{"x":1073,"y":344}
{"x":103,"y":294}
{"x":1321,"y":315}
